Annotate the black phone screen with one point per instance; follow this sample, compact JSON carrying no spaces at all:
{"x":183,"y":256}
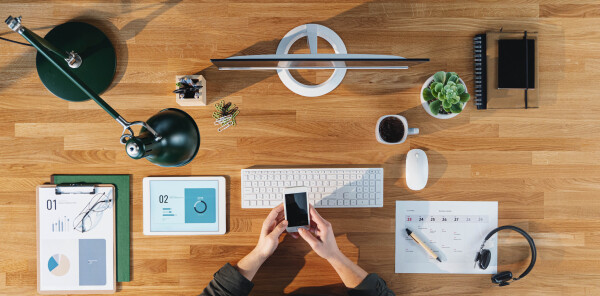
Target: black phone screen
{"x":296,"y":207}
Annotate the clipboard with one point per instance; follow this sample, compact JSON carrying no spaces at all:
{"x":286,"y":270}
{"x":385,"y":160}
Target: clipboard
{"x":76,"y":246}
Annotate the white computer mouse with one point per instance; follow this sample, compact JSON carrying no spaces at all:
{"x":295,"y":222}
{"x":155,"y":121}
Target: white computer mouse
{"x":417,"y":169}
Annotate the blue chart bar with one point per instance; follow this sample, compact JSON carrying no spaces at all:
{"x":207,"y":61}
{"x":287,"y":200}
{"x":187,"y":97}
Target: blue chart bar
{"x":61,"y":225}
{"x":167,"y":212}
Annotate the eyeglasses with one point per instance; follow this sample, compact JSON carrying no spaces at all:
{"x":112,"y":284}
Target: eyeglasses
{"x":91,"y":214}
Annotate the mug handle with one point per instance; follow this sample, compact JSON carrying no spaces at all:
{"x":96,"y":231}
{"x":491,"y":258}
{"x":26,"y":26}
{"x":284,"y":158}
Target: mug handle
{"x":413,"y":131}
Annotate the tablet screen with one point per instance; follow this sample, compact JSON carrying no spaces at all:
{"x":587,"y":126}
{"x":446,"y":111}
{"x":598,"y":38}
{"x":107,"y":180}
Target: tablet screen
{"x":184,"y":206}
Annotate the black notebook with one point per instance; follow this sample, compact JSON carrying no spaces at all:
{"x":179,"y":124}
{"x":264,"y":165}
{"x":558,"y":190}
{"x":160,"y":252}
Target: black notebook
{"x":503,"y":60}
{"x":512,"y":63}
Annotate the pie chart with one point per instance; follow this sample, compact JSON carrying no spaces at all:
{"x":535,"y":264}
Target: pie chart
{"x":58,"y":264}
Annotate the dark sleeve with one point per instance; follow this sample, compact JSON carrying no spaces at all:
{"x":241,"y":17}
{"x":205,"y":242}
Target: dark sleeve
{"x":372,"y":285}
{"x":228,"y":281}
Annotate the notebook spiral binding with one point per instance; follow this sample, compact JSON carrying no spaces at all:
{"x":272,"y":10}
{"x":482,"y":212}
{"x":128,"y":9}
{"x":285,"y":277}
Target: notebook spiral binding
{"x":479,"y":52}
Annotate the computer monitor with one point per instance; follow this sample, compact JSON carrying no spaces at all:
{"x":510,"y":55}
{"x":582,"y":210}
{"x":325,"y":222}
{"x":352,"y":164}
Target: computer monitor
{"x":309,"y":61}
{"x":339,"y":62}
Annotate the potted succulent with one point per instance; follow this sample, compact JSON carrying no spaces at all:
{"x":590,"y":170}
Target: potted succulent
{"x":444,"y":95}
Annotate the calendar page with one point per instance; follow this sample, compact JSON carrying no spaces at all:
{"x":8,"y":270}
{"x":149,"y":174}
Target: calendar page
{"x":454,"y":230}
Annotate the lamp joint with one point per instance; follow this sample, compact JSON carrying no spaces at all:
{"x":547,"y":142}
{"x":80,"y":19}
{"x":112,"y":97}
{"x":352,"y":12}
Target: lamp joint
{"x":14,"y":23}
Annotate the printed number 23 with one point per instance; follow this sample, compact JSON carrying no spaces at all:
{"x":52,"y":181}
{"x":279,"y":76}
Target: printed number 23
{"x":163,"y":198}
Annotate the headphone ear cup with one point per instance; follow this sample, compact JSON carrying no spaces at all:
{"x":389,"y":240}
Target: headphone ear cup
{"x":483,"y":258}
{"x":502,"y":278}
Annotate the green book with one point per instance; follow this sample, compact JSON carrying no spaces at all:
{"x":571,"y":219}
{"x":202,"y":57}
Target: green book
{"x":121,"y":183}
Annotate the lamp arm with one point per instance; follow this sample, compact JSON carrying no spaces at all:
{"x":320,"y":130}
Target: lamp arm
{"x":45,"y":49}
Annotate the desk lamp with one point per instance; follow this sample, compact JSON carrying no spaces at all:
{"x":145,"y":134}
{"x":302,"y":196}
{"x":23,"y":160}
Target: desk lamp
{"x":86,"y":68}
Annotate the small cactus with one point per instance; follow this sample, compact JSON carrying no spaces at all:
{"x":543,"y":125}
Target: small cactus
{"x":447,"y":91}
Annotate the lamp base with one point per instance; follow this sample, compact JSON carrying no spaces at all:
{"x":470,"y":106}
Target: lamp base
{"x":99,"y":60}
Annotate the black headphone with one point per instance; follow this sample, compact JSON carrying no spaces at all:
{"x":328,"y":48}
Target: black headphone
{"x":484,"y":256}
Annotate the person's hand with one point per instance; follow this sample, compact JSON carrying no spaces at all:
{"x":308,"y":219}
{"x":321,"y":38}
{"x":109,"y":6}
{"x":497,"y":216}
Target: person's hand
{"x":323,"y":240}
{"x":272,"y":229}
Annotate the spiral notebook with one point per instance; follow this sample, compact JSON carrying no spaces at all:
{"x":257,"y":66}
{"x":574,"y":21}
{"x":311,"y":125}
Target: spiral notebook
{"x":502,"y":61}
{"x":76,"y":239}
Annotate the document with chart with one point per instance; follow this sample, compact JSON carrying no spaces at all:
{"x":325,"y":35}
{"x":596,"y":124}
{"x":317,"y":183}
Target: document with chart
{"x":454,"y":230}
{"x":76,"y":244}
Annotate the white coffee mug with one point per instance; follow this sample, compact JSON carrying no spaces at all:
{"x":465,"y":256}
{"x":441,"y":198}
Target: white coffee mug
{"x":407,"y":131}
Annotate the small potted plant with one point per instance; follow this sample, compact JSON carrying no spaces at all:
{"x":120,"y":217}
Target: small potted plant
{"x":444,"y":95}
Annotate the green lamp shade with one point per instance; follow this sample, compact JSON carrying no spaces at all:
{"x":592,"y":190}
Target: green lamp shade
{"x":97,"y":53}
{"x":179,"y":142}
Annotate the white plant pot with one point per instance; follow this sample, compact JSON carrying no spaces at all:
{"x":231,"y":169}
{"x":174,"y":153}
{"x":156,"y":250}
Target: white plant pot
{"x":426,"y":105}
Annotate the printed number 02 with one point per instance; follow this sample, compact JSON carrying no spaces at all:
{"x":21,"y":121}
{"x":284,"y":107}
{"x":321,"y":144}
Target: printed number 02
{"x":163,"y":198}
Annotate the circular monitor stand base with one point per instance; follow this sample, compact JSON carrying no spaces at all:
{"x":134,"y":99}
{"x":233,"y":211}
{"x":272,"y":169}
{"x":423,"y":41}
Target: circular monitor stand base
{"x":311,"y":31}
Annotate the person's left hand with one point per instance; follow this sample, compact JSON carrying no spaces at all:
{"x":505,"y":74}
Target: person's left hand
{"x":272,"y":229}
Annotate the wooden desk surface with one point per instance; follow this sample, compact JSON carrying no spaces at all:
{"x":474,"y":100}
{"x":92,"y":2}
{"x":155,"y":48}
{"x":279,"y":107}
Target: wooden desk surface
{"x":542,"y":165}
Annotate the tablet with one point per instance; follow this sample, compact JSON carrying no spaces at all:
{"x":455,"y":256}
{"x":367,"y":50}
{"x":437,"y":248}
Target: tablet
{"x":184,"y":205}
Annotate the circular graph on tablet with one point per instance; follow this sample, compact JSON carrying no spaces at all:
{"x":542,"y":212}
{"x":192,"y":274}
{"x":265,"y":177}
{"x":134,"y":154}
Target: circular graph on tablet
{"x":58,"y":264}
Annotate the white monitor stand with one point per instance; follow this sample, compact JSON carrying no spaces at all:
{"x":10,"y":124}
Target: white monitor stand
{"x":311,"y":32}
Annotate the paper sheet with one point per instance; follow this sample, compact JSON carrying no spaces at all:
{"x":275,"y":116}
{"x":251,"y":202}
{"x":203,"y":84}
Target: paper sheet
{"x":70,"y":260}
{"x":454,"y":230}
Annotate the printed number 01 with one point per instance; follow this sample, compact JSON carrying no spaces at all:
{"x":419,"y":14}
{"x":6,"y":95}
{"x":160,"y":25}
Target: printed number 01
{"x":49,"y":204}
{"x":163,"y":198}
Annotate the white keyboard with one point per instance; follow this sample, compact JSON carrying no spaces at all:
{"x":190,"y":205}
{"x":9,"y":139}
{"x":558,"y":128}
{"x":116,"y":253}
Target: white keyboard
{"x":327,"y":188}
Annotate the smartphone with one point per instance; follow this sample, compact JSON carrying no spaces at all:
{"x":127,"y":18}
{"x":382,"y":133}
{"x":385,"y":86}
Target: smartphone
{"x":296,"y":208}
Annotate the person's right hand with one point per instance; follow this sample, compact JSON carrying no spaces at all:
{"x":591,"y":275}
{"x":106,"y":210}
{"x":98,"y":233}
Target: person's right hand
{"x":323,"y":241}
